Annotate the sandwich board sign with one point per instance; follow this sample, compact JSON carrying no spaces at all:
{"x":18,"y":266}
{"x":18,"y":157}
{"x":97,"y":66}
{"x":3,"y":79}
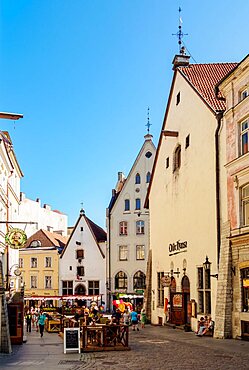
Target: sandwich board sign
{"x":71,"y":339}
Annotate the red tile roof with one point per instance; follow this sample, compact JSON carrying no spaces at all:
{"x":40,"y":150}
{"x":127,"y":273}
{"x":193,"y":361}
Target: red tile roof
{"x":99,"y":233}
{"x":204,"y":77}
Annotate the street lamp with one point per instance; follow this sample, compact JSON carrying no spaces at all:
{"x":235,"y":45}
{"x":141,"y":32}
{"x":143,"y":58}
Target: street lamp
{"x":207,"y":265}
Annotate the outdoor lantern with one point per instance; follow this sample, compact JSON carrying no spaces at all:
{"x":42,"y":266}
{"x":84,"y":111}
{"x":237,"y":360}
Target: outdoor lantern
{"x":207,"y":264}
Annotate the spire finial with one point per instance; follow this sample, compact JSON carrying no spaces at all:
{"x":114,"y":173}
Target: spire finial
{"x":180,"y":34}
{"x":148,"y":124}
{"x":82,"y":212}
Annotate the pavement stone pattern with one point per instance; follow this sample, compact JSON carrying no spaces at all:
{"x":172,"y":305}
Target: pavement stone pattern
{"x":152,"y":348}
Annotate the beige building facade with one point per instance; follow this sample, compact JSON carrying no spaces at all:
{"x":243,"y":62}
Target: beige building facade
{"x":232,"y":314}
{"x":183,"y":197}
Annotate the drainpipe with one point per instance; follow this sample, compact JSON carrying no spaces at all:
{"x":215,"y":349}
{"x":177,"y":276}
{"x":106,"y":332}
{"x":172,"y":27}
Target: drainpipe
{"x":219,"y":116}
{"x":109,"y":260}
{"x":7,"y":230}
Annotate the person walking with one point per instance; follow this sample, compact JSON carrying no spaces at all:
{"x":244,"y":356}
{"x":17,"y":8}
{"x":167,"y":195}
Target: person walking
{"x":41,"y":322}
{"x":28,"y":318}
{"x":134,"y":320}
{"x":143,"y":318}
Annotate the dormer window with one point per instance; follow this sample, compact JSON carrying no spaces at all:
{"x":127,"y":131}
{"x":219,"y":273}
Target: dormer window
{"x":35,"y":243}
{"x":137,"y":179}
{"x":177,"y":158}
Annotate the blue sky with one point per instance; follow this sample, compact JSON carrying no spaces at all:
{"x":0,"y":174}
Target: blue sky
{"x":83,"y":73}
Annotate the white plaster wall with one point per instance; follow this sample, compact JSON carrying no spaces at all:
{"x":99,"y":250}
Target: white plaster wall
{"x":142,"y":165}
{"x":183,"y":205}
{"x":93,"y":262}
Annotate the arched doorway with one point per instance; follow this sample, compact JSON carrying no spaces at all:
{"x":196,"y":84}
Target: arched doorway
{"x":186,"y":298}
{"x":80,"y":289}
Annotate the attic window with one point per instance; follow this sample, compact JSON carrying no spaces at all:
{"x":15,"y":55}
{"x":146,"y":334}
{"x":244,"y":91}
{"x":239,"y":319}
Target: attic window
{"x":178,"y":98}
{"x":78,"y":243}
{"x":187,"y":141}
{"x":81,"y":229}
{"x":148,"y":154}
{"x":35,"y":243}
{"x":177,"y":158}
{"x":80,"y":253}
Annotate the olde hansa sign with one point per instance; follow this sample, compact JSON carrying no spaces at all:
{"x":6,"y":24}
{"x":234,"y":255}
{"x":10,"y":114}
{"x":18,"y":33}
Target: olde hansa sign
{"x":177,"y":247}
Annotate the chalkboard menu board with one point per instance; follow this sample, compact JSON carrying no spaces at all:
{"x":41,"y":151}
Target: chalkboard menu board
{"x":71,"y":339}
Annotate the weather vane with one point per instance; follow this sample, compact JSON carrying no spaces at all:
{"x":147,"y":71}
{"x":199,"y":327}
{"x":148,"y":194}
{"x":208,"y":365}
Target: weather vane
{"x":148,"y":124}
{"x":180,"y":34}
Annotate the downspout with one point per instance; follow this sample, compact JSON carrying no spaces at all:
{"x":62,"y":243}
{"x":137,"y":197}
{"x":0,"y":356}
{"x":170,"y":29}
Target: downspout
{"x":219,"y":116}
{"x":109,"y":259}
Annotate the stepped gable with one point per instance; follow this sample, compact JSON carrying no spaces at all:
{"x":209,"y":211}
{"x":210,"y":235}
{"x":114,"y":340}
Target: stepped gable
{"x":204,"y":78}
{"x":98,"y":232}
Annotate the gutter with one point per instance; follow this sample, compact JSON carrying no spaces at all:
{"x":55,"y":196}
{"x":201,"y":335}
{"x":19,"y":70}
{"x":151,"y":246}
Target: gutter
{"x":219,"y":116}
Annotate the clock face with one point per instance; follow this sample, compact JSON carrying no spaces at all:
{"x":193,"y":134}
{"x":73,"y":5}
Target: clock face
{"x":17,"y":272}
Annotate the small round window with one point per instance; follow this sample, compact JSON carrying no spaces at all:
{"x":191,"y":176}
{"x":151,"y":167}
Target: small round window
{"x":148,"y":154}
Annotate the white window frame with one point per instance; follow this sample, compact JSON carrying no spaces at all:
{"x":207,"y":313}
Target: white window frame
{"x":33,"y":262}
{"x":123,"y":228}
{"x":48,"y":282}
{"x":244,"y":204}
{"x":140,"y":227}
{"x":47,"y":263}
{"x":123,"y":253}
{"x":21,"y":263}
{"x":244,"y":132}
{"x":33,"y":282}
{"x":140,"y":252}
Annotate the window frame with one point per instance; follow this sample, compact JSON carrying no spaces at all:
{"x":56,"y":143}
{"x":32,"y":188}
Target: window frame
{"x":33,"y":282}
{"x":139,"y":280}
{"x":48,"y":282}
{"x":140,"y":227}
{"x":177,"y":158}
{"x":48,"y":264}
{"x":244,"y":203}
{"x":121,"y":277}
{"x":80,"y":254}
{"x":66,"y":289}
{"x":138,"y":204}
{"x":204,"y":290}
{"x":20,"y":264}
{"x":127,"y":206}
{"x":94,"y":290}
{"x":123,"y":228}
{"x":244,"y":133}
{"x":123,"y":250}
{"x":140,"y":252}
{"x":33,"y":262}
{"x":160,"y":290}
{"x":80,"y":271}
{"x":137,"y":179}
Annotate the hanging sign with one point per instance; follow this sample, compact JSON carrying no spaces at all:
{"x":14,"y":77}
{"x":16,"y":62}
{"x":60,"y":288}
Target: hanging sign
{"x":16,"y":238}
{"x":166,"y":281}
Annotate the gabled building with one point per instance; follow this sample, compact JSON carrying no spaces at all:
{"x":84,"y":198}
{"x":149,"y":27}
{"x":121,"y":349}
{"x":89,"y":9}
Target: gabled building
{"x":184,"y":195}
{"x":232,"y":311}
{"x":39,"y":266}
{"x":82,"y":262}
{"x":128,"y":229}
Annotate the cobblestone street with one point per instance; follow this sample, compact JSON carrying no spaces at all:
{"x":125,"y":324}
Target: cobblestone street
{"x":154,"y":348}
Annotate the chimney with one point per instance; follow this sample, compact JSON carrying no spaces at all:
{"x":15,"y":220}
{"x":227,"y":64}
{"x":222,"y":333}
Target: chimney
{"x":181,"y":60}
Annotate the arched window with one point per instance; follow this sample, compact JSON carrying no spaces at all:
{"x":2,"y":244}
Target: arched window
{"x":138,"y":204}
{"x":177,"y":158}
{"x":121,"y":280}
{"x":139,"y":280}
{"x":137,"y":179}
{"x":80,"y":289}
{"x":148,"y":177}
{"x":127,"y":205}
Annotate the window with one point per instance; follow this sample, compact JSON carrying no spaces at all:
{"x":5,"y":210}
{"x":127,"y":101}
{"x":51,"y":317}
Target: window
{"x":48,"y":282}
{"x":33,"y":262}
{"x":123,"y":253}
{"x":67,"y":287}
{"x":137,"y":179}
{"x":243,"y":94}
{"x":160,"y":290}
{"x":35,"y":243}
{"x":177,"y":158}
{"x":140,"y":252}
{"x":204,"y":291}
{"x":93,"y":287}
{"x":78,"y":243}
{"x":21,"y":263}
{"x":138,"y":204}
{"x":79,"y":254}
{"x":70,"y":268}
{"x":148,"y":154}
{"x":139,"y":280}
{"x":80,"y":271}
{"x":244,"y":137}
{"x":127,"y":204}
{"x":148,"y":176}
{"x":245,"y":204}
{"x":48,"y":261}
{"x":81,"y":228}
{"x":167,"y":162}
{"x":178,"y":98}
{"x":33,"y":282}
{"x":245,"y":289}
{"x":123,"y":228}
{"x":139,"y":227}
{"x":187,"y":141}
{"x":121,"y":280}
